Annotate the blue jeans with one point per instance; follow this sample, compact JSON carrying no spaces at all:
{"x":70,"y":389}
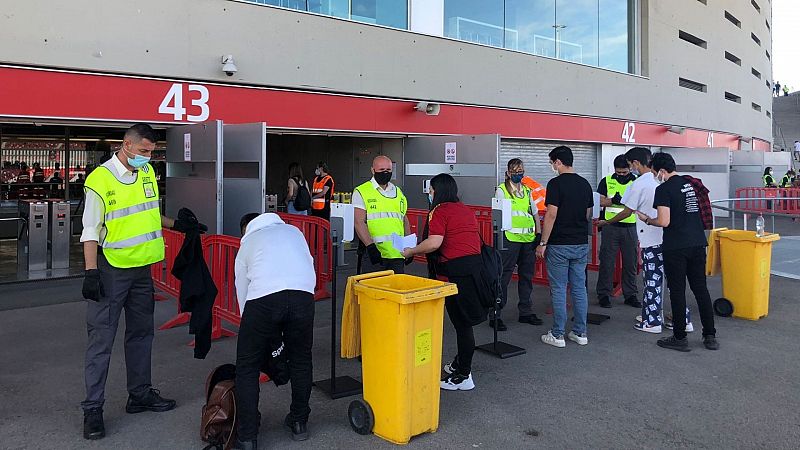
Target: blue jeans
{"x":290,"y":209}
{"x":566,"y":264}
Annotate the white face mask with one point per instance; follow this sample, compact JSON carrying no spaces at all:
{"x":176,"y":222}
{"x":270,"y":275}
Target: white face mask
{"x":555,"y":170}
{"x":659,"y":177}
{"x":318,"y":172}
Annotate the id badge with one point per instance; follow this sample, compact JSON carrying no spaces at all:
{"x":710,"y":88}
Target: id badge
{"x":149,"y":190}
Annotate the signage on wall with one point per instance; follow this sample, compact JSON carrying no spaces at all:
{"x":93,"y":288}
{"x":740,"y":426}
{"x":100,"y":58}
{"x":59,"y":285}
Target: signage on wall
{"x":187,"y":146}
{"x":450,"y":153}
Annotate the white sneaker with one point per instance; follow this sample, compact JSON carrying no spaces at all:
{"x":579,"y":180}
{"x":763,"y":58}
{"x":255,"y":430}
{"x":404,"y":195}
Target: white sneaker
{"x":549,"y":339}
{"x":577,"y":338}
{"x":643,"y":326}
{"x":457,"y":382}
{"x":689,"y":326}
{"x":638,"y":319}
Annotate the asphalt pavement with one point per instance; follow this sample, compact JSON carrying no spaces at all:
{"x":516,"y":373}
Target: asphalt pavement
{"x":620,"y":391}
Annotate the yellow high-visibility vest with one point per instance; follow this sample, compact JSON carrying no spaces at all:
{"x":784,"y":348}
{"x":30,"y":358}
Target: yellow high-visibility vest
{"x":384,"y":217}
{"x":612,"y":188}
{"x":132,"y":217}
{"x":523,"y":225}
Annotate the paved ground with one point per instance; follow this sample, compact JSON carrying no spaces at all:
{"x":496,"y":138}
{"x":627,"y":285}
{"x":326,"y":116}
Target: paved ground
{"x":621,"y":391}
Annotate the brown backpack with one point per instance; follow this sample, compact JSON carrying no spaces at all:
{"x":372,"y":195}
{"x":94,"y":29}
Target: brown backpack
{"x":218,"y":421}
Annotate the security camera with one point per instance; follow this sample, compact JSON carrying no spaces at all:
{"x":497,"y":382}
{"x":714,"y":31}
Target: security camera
{"x":228,"y":66}
{"x":429,"y":108}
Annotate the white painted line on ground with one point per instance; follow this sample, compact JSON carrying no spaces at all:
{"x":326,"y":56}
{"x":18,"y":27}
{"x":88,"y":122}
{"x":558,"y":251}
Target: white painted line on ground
{"x":793,"y":276}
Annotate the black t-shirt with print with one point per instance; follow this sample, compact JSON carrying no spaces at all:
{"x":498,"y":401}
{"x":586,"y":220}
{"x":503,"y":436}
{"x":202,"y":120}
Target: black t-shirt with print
{"x":572,"y":194}
{"x":685,"y":228}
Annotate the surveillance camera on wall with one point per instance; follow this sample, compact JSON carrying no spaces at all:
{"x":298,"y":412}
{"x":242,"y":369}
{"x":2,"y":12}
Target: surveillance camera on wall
{"x":228,"y":66}
{"x":431,"y":109}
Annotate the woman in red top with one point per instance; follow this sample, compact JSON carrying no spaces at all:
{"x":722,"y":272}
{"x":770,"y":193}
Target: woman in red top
{"x":453,"y":246}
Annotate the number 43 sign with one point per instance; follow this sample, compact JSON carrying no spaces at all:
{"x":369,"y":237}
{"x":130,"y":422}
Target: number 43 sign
{"x":174,"y":105}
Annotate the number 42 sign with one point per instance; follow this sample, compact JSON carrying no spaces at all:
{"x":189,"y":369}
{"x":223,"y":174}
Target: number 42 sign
{"x":174,"y":105}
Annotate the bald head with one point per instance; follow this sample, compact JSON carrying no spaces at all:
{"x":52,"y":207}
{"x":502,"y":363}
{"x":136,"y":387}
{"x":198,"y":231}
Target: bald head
{"x":381,"y":164}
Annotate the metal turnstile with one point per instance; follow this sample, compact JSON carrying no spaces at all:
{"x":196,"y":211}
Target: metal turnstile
{"x":32,"y":234}
{"x":59,"y":234}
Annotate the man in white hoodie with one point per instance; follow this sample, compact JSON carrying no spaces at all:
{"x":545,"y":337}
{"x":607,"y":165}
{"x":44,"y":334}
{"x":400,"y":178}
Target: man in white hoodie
{"x":275,"y":288}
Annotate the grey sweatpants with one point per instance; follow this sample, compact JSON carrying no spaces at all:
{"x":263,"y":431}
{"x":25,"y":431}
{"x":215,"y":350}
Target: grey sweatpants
{"x":131,"y":290}
{"x":615,"y":239}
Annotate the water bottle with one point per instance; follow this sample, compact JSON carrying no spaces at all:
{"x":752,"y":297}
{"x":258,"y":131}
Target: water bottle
{"x":760,"y":226}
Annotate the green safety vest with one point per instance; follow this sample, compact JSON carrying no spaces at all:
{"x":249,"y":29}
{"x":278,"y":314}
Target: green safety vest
{"x":384,"y":217}
{"x":786,"y":181}
{"x":613,"y":187}
{"x":769,"y":181}
{"x":132,"y":217}
{"x":523,"y":224}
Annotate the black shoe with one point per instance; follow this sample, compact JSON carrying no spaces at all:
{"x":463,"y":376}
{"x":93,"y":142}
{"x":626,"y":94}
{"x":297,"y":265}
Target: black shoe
{"x":249,"y":445}
{"x":93,"y":426}
{"x":500,"y":325}
{"x":532,"y":319}
{"x":710,"y":342}
{"x":633,"y":301}
{"x":681,"y":345}
{"x":150,"y":401}
{"x":605,"y":302}
{"x":299,"y":429}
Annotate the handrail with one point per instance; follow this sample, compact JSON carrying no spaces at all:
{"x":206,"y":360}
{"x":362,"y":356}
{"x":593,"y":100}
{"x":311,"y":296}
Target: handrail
{"x":749,"y":212}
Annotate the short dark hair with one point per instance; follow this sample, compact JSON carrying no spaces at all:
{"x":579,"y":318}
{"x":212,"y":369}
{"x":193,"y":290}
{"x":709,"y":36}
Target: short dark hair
{"x":324,"y":166}
{"x":620,"y":162}
{"x":663,"y":161}
{"x":446,"y":189}
{"x":141,"y":131}
{"x":640,"y":154}
{"x":562,"y":153}
{"x":247,"y":218}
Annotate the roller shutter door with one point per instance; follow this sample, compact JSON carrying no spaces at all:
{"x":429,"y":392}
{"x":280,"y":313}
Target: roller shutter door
{"x":537,"y":164}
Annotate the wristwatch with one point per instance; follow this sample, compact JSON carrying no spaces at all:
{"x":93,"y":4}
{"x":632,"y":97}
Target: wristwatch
{"x":542,"y":244}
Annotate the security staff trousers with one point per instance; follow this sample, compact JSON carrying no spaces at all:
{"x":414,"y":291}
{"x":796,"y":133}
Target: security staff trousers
{"x":130,"y":290}
{"x":521,"y":255}
{"x":613,"y":240}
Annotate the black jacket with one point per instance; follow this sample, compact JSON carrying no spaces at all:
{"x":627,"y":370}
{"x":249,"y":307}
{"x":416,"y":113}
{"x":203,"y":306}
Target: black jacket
{"x":467,"y":274}
{"x":198,"y":290}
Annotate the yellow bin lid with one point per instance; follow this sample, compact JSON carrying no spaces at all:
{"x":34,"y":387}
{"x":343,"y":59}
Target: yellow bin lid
{"x":405,"y":289}
{"x":748,"y":236}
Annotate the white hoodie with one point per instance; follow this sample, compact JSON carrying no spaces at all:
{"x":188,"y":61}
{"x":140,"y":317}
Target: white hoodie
{"x":273,"y":257}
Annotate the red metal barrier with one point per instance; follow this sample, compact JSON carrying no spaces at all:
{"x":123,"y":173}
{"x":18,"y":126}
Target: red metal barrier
{"x":317,"y":233}
{"x":747,"y":200}
{"x":220,"y":253}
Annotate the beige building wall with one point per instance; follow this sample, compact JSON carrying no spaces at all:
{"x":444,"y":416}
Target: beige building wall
{"x":275,"y":47}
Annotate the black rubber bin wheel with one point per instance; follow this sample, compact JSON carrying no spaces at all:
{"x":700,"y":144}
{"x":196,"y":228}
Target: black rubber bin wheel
{"x":361,"y":417}
{"x":723,"y":307}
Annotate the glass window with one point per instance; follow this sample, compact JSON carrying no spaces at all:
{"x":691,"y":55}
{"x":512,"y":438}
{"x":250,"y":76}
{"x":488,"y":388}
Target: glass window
{"x":529,"y":26}
{"x":576,"y":31}
{"x":479,"y":21}
{"x":390,"y":13}
{"x":335,"y":8}
{"x":614,"y":35}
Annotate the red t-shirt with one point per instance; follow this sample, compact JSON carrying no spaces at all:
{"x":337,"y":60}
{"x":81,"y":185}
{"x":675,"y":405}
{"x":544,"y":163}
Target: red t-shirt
{"x":457,"y":223}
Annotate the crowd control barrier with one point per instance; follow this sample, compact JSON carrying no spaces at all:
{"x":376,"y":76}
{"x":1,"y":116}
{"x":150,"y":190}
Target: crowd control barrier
{"x":758,"y":199}
{"x":317,"y":232}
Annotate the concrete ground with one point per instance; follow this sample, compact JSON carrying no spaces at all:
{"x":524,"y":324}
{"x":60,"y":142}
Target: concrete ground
{"x":620,"y":391}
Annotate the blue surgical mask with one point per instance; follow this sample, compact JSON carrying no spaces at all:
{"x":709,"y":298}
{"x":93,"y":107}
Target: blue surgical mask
{"x":430,"y":198}
{"x":138,"y":160}
{"x":635,"y":172}
{"x":516,"y":178}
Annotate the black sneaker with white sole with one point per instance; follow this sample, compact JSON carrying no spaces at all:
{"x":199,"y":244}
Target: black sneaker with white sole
{"x":673,"y":343}
{"x":457,"y":382}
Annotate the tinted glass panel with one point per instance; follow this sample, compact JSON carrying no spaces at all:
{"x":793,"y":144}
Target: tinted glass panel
{"x":614,"y":35}
{"x":391,"y":13}
{"x":479,"y":21}
{"x":529,"y":26}
{"x":576,"y":31}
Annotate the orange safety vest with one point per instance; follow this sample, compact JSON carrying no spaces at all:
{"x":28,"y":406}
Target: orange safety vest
{"x":538,"y":192}
{"x":318,"y":188}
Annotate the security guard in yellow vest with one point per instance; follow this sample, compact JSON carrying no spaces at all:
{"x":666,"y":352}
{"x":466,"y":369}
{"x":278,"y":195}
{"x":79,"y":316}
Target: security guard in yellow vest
{"x":617,"y":237}
{"x":379,"y":211}
{"x":121,"y":239}
{"x":520,"y":244}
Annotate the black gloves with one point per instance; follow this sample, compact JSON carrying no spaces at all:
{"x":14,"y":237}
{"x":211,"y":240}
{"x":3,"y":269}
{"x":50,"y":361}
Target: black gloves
{"x":617,"y":199}
{"x":374,"y":254}
{"x":186,"y":222}
{"x":409,"y":260}
{"x":92,"y":286}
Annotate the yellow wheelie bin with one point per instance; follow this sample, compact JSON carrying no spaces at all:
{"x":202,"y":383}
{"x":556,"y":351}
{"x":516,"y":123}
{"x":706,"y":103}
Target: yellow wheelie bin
{"x":401,"y":343}
{"x":745,"y":260}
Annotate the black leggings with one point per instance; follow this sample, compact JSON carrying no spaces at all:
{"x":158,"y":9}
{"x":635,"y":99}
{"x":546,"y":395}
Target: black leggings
{"x":465,"y":338}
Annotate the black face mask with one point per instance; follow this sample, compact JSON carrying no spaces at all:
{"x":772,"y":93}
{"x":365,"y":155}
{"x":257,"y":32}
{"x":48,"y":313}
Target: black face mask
{"x":383,"y":178}
{"x":624,"y":179}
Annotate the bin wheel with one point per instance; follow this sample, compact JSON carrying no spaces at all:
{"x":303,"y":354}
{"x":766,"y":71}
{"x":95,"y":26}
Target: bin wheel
{"x":361,"y":417}
{"x":723,"y":307}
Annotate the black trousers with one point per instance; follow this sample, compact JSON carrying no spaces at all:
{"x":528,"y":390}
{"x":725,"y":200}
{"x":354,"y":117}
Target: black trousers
{"x":465,"y":338}
{"x":521,"y":255}
{"x":682,"y":265}
{"x":285,"y":316}
{"x":397,"y":265}
{"x":130,"y":290}
{"x":615,"y":239}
